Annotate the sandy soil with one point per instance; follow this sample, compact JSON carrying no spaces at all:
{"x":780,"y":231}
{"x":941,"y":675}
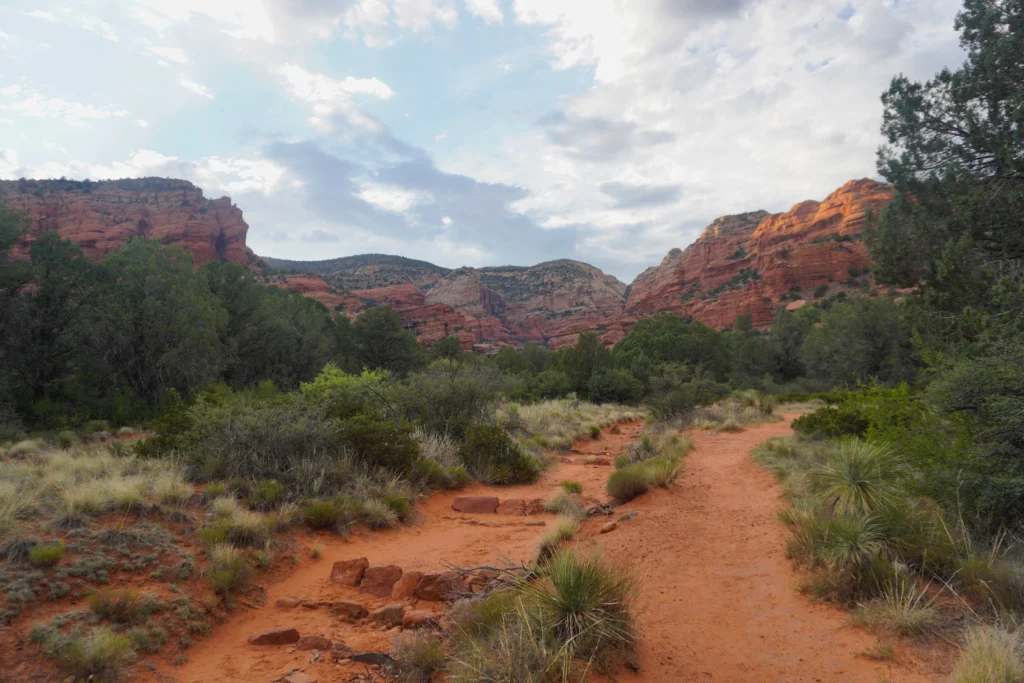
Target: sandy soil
{"x":719,"y":599}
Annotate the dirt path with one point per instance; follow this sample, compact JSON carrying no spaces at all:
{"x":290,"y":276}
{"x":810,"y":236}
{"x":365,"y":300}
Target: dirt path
{"x":719,"y":599}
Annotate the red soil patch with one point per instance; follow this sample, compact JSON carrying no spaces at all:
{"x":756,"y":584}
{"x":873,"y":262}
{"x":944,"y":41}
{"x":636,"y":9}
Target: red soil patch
{"x":719,"y":599}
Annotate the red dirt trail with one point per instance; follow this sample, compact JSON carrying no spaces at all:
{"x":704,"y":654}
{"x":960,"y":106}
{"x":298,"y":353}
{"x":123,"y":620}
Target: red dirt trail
{"x":719,"y":599}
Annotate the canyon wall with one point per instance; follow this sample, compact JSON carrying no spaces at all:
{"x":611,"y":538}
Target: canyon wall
{"x":746,"y":264}
{"x":101,"y":216}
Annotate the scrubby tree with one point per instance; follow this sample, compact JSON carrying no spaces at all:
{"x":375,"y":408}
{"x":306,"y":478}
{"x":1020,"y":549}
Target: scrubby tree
{"x":445,"y":347}
{"x":382,"y":343}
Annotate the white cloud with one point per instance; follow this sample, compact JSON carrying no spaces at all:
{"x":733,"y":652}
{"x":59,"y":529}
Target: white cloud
{"x":329,"y":97}
{"x":390,"y":197}
{"x":380,"y":21}
{"x":699,"y":109}
{"x":236,"y":176}
{"x":141,"y":123}
{"x":175,"y":54}
{"x":39,"y":14}
{"x":197,"y":88}
{"x":505,"y":67}
{"x":16,"y":100}
{"x":272,"y":22}
{"x":447,"y":220}
{"x":488,"y":10}
{"x":100,"y":28}
{"x":441,"y":136}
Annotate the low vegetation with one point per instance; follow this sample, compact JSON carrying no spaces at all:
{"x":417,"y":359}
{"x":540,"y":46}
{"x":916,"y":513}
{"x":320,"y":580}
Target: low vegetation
{"x":653,"y":460}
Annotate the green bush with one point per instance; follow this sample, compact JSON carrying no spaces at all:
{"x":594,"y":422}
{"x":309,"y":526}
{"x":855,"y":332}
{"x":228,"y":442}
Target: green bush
{"x":66,"y":439}
{"x":832,"y":423}
{"x":46,"y":555}
{"x":121,"y":606}
{"x":320,"y":514}
{"x":627,"y":483}
{"x":382,"y":444}
{"x":571,"y":486}
{"x":491,"y":454}
{"x":101,"y":655}
{"x":266,"y":495}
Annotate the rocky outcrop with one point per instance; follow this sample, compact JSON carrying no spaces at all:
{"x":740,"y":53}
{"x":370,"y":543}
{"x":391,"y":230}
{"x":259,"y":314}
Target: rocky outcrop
{"x":101,"y":216}
{"x":753,"y":263}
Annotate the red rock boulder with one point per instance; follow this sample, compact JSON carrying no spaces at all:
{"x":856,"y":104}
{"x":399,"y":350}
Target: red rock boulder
{"x":277,"y":636}
{"x":476,"y":504}
{"x":380,"y":581}
{"x":349,"y":572}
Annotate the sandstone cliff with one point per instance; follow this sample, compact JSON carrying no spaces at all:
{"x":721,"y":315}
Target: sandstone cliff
{"x":752,"y":263}
{"x":101,"y":216}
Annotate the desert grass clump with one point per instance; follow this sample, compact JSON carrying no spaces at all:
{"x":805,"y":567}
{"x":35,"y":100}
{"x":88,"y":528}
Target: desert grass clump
{"x":990,"y":654}
{"x":571,"y":486}
{"x":564,"y":529}
{"x":902,"y":609}
{"x":24,"y":449}
{"x":15,"y":504}
{"x":517,"y":651}
{"x":247,"y":529}
{"x":66,"y":439}
{"x":628,"y":482}
{"x":229,"y":568}
{"x":100,"y":655}
{"x":42,"y":556}
{"x":320,"y":514}
{"x":557,"y":423}
{"x":121,"y":606}
{"x":172,"y":489}
{"x":378,"y":514}
{"x":225,"y":507}
{"x":565,"y":505}
{"x":417,"y":656}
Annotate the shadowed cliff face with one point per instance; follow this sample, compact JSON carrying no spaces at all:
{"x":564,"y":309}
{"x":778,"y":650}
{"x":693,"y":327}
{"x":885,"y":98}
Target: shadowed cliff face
{"x":102,"y":216}
{"x":752,"y":263}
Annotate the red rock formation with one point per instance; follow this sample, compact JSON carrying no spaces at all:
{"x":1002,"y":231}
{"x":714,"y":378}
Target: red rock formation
{"x":747,"y":264}
{"x":102,"y":216}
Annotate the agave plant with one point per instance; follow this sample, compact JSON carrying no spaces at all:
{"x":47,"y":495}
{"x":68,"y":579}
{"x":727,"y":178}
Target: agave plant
{"x":857,"y":478}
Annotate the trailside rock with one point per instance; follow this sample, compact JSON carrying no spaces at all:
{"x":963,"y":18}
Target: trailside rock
{"x":380,"y":581}
{"x":349,"y":572}
{"x":535,"y":507}
{"x":438,"y":586}
{"x":476,"y":504}
{"x":405,"y":587}
{"x":277,"y":636}
{"x":389,"y":615}
{"x":348,"y":609}
{"x":299,"y":677}
{"x":609,"y":527}
{"x":313,"y":643}
{"x":288,"y":602}
{"x":418,"y":619}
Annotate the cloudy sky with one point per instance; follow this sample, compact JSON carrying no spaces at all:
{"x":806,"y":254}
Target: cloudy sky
{"x":465,"y":132}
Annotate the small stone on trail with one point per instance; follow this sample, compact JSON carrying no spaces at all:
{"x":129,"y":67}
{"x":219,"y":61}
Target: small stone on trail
{"x":535,"y":507}
{"x":288,"y":602}
{"x":348,"y":609}
{"x":476,"y":504}
{"x":438,"y":586}
{"x":628,"y":516}
{"x":349,"y":572}
{"x":610,"y":526}
{"x":373,"y":658}
{"x":277,"y":636}
{"x":380,"y":580}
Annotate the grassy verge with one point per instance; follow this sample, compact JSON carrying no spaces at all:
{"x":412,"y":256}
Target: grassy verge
{"x":557,"y":423}
{"x":899,"y":562}
{"x":655,"y":459}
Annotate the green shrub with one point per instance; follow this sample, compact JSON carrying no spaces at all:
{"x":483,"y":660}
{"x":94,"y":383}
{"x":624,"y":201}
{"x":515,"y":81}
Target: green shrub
{"x":857,"y":478}
{"x":93,"y":426}
{"x":46,"y":555}
{"x":66,"y":439}
{"x":377,"y":514}
{"x":320,"y":514}
{"x":572,"y":486}
{"x":564,"y":504}
{"x":229,"y":569}
{"x":517,"y":651}
{"x":491,"y":454}
{"x":628,"y":482}
{"x":417,"y":655}
{"x":380,"y":443}
{"x":266,"y":495}
{"x":832,"y":423}
{"x":149,"y":639}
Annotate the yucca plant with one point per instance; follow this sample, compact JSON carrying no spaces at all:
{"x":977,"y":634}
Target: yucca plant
{"x":586,"y":602}
{"x":849,"y":543}
{"x":857,"y":478}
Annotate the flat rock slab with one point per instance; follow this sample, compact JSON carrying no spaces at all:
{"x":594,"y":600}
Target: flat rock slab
{"x":512,"y":506}
{"x":476,"y":504}
{"x":389,"y":615}
{"x":277,"y":636}
{"x":349,"y":572}
{"x":418,"y":619}
{"x":298,"y":677}
{"x":288,"y":602}
{"x":438,"y":586}
{"x":380,"y":581}
{"x":348,"y":609}
{"x":314,"y":643}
